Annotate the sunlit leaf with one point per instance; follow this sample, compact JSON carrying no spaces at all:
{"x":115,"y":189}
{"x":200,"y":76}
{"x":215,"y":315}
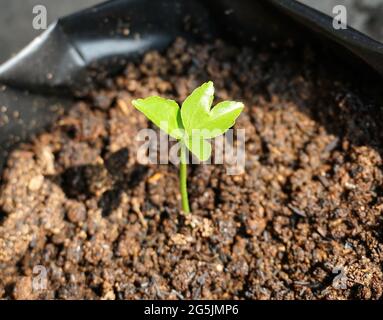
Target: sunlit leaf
{"x":197,"y":114}
{"x":164,"y":113}
{"x":221,"y":118}
{"x":197,"y":106}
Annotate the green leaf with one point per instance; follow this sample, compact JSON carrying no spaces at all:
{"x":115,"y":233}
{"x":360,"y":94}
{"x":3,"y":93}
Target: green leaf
{"x":221,"y":118}
{"x":197,"y":115}
{"x":200,"y":147}
{"x":197,"y":106}
{"x":164,"y":113}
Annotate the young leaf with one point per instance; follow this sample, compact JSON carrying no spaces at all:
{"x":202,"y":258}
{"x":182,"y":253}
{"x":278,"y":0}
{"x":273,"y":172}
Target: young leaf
{"x":221,"y":118}
{"x":164,"y":113}
{"x":197,"y":106}
{"x":196,"y":113}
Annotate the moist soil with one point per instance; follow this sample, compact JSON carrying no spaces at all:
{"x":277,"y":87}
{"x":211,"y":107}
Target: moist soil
{"x":304,"y":221}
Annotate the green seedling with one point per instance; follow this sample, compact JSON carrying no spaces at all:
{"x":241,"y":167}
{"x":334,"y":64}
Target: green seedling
{"x":192,"y":125}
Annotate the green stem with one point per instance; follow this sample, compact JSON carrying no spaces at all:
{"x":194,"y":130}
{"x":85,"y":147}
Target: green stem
{"x":183,"y":180}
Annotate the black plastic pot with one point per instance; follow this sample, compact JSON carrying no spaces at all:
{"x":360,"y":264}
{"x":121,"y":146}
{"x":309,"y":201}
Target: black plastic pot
{"x":81,"y":46}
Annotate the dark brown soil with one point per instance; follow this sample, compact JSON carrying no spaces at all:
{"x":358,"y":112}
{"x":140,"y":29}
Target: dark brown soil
{"x":306,"y":215}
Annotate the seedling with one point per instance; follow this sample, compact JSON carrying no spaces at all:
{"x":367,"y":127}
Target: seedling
{"x":192,"y":124}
